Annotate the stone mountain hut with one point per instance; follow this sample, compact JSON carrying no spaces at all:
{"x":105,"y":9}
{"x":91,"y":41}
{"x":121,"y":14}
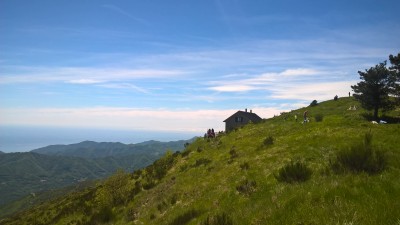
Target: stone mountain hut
{"x":239,"y":119}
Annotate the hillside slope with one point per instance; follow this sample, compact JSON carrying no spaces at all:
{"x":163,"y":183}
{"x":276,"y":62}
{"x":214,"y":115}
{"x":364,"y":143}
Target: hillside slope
{"x":25,"y":173}
{"x":30,"y":173}
{"x":233,"y":178}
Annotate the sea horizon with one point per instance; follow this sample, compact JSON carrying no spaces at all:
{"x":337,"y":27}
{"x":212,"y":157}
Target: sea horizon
{"x":28,"y":138}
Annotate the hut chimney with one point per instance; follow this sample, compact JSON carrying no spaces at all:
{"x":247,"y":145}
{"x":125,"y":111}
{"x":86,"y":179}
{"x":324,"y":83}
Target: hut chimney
{"x":251,"y":111}
{"x":245,"y":110}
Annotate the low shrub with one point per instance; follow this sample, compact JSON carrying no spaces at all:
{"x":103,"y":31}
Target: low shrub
{"x":233,"y":153}
{"x":186,"y":145}
{"x":131,"y":214}
{"x":148,"y":183}
{"x":185,"y":217}
{"x":319,"y":117}
{"x":268,"y":141}
{"x":162,"y":206}
{"x":174,"y":199}
{"x":360,"y":158}
{"x":186,"y":153}
{"x":244,"y":166}
{"x":183,"y":168}
{"x":246,"y":187}
{"x":137,"y":173}
{"x":219,"y":219}
{"x":314,"y":103}
{"x":103,"y":215}
{"x":202,"y":161}
{"x":294,"y":172}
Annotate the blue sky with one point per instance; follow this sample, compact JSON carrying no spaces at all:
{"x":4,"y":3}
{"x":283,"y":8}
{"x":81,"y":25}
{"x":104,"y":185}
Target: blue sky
{"x":182,"y":65}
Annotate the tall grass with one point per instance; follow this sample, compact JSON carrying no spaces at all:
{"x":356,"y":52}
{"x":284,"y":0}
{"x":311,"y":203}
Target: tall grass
{"x":361,"y":157}
{"x":294,"y":172}
{"x":219,"y":219}
{"x":186,"y":217}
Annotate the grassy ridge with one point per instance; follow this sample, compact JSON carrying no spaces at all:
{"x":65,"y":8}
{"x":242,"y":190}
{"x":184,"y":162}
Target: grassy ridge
{"x":234,"y":177}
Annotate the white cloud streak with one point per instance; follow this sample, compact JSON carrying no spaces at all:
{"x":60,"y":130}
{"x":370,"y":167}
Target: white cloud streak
{"x":292,"y":84}
{"x":82,"y":75}
{"x":124,"y":86}
{"x":124,"y":13}
{"x":309,"y":91}
{"x":126,"y":118}
{"x":259,"y":82}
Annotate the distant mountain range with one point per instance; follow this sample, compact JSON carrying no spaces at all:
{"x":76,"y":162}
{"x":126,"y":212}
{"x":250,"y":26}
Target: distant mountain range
{"x":58,"y":166}
{"x":91,"y":149}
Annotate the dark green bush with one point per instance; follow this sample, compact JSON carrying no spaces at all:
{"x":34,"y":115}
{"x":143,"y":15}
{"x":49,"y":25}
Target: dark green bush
{"x":131,"y":214}
{"x":186,"y":153}
{"x":268,"y":141}
{"x":183,"y":168}
{"x":161,"y":166}
{"x":148,"y":183}
{"x":137,"y":173}
{"x":319,"y":117}
{"x":174,"y":199}
{"x":162,"y":206}
{"x":314,"y":103}
{"x":202,"y":161}
{"x":246,"y":187}
{"x":219,"y":219}
{"x":244,"y":166}
{"x":185,"y":217}
{"x":233,"y":153}
{"x":118,"y":188}
{"x":104,"y":214}
{"x":294,"y":172}
{"x":360,"y":158}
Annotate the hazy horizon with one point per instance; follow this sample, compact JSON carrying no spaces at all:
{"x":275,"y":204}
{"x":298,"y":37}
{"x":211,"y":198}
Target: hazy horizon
{"x":182,"y":66}
{"x":27,"y":138}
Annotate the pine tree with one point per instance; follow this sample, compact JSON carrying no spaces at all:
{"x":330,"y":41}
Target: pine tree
{"x":373,"y":92}
{"x":395,"y":70}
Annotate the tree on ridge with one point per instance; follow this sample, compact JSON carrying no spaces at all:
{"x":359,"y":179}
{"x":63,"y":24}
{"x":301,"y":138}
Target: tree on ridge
{"x":379,"y":86}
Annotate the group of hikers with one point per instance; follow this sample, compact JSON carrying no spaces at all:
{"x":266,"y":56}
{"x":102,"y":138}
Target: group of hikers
{"x":210,"y":133}
{"x":305,"y":117}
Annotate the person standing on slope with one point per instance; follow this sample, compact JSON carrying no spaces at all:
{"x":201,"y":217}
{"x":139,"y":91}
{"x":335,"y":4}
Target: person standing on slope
{"x":305,"y":117}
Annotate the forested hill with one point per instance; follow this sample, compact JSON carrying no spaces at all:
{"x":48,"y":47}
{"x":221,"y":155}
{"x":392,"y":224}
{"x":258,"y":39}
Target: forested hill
{"x":91,"y":149}
{"x":29,"y":172}
{"x":59,"y":166}
{"x":337,"y":169}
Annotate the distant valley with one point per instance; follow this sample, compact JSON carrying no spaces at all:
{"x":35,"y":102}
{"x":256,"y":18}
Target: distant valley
{"x":58,"y":166}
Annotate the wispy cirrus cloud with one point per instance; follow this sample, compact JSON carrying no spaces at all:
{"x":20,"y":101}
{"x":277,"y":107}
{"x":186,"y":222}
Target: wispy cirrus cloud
{"x":301,"y":84}
{"x":124,"y":13}
{"x":85,"y":81}
{"x":127,"y":86}
{"x":126,"y":118}
{"x":81,"y":75}
{"x":309,"y":91}
{"x":260,"y":82}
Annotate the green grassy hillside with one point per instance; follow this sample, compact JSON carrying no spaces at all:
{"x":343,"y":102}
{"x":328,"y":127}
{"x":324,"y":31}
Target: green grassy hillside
{"x":233,"y":179}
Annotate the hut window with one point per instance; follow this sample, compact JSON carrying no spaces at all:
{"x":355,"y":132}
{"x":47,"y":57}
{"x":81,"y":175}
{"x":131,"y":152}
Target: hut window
{"x":239,"y":119}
